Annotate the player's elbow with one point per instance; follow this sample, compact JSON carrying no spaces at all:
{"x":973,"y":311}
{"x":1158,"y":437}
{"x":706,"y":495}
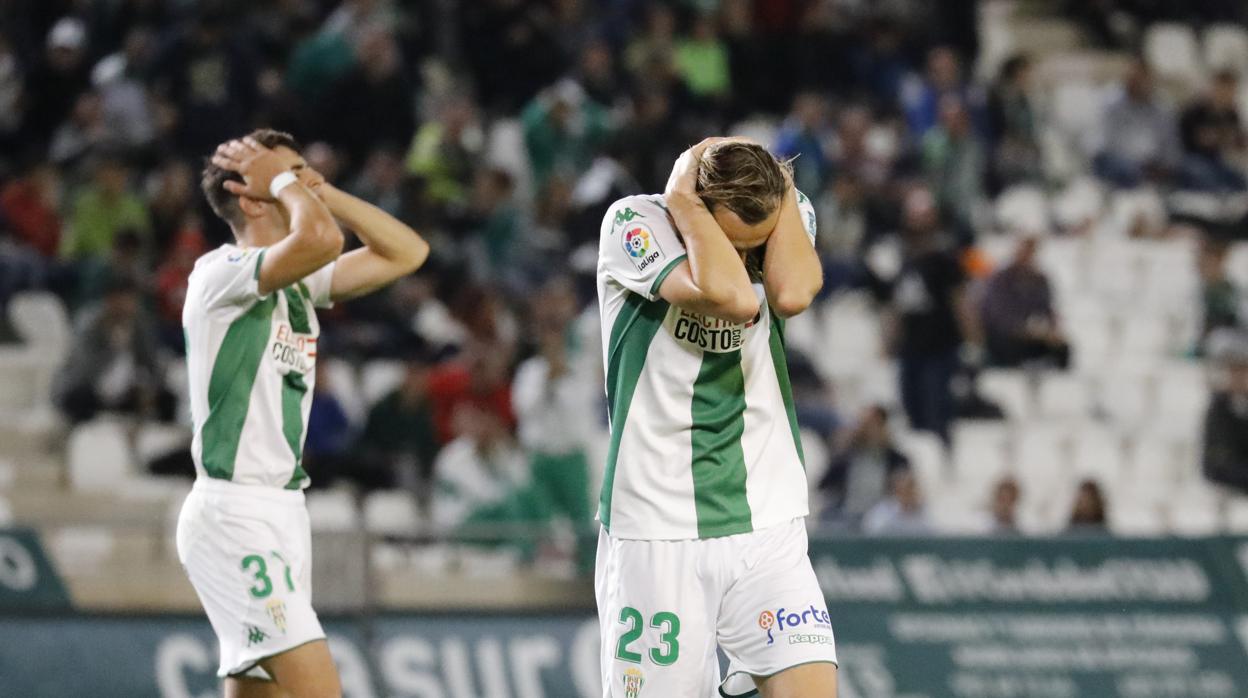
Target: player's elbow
{"x":739,"y":308}
{"x":414,"y":256}
{"x":789,"y":302}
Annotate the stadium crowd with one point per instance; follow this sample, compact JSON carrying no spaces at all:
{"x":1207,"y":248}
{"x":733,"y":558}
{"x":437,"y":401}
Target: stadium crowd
{"x":501,"y":129}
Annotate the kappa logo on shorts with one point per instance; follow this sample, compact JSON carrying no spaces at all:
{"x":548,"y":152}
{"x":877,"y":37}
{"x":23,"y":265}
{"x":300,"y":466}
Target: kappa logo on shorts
{"x":783,"y":619}
{"x":633,"y":681}
{"x":255,"y":635}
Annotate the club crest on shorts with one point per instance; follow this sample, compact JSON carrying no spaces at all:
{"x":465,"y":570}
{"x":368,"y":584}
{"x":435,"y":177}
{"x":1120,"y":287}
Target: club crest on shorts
{"x":633,"y":681}
{"x":642,"y":248}
{"x":277,"y":611}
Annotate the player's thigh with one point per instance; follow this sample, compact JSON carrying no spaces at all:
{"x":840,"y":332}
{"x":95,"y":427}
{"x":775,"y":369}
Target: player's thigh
{"x":307,"y":671}
{"x":247,"y":687}
{"x":656,"y":625}
{"x":774,"y":617}
{"x":816,"y":680}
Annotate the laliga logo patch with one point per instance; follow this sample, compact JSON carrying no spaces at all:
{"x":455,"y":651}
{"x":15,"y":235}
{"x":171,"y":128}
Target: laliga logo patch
{"x":766,"y":620}
{"x":633,"y":681}
{"x":637,"y":241}
{"x":641,"y":246}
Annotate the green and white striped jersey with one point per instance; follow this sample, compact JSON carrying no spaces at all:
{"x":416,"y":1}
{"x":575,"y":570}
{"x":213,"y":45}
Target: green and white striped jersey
{"x":704,"y":438}
{"x":251,"y":363}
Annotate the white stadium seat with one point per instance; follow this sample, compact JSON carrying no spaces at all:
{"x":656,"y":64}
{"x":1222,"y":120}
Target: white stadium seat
{"x":99,"y":456}
{"x":927,"y":457}
{"x":1064,"y":396}
{"x":379,"y":378}
{"x":1126,"y":396}
{"x":332,"y":511}
{"x":1171,"y":50}
{"x":1226,"y":48}
{"x":392,"y":512}
{"x":980,"y":450}
{"x":1009,"y":388}
{"x":1097,"y":454}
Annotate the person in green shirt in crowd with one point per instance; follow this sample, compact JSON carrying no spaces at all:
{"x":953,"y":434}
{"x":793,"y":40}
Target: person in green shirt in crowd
{"x":101,"y":210}
{"x":563,"y":129}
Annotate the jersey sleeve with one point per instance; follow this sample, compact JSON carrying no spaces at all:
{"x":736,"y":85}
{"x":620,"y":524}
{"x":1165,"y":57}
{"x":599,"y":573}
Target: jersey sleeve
{"x":320,"y":283}
{"x":638,"y":245}
{"x":807,"y":210}
{"x":231,"y":279}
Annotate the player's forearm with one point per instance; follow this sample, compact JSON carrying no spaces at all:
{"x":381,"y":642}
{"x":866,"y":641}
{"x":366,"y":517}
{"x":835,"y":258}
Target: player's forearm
{"x":714,"y":264}
{"x":311,"y":223}
{"x":382,"y":233}
{"x":792,"y":274}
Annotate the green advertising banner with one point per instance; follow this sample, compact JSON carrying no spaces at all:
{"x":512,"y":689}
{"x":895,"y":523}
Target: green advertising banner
{"x":971,"y":618}
{"x":27,"y":581}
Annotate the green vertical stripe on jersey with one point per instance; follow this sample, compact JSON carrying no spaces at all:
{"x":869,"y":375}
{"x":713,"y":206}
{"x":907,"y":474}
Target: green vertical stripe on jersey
{"x":718,"y":460}
{"x":296,"y":311}
{"x":229,"y":387}
{"x":781,"y":362}
{"x":293,"y":390}
{"x":631,"y":334}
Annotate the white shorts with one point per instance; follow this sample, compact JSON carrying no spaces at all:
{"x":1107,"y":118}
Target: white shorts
{"x":248,"y":553}
{"x":663,"y":606}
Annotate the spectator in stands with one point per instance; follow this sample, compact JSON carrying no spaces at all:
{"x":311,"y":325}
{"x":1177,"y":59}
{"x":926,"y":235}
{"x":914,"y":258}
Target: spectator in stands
{"x":1088,"y":513}
{"x":954,"y":162}
{"x":562,"y":128}
{"x":803,"y":137}
{"x":114,"y":364}
{"x":902,"y":512}
{"x":1220,"y":296}
{"x":1003,"y":512}
{"x":82,"y":134}
{"x":399,"y":437}
{"x":1225,"y":455}
{"x":478,"y":479}
{"x":555,"y":405}
{"x":1214,"y":141}
{"x":379,"y":84}
{"x":929,"y":317}
{"x":1140,"y":141}
{"x":57,"y":80}
{"x":30,"y":206}
{"x":653,"y":50}
{"x":445,"y":150}
{"x":171,"y":280}
{"x":172,"y":200}
{"x":102,"y":209}
{"x":922,"y":97}
{"x":701,"y":60}
{"x":1016,"y":312}
{"x":207,"y":79}
{"x":479,"y":377}
{"x":860,"y":473}
{"x":1013,"y":124}
{"x":381,"y":181}
{"x":326,"y":447}
{"x":12,"y":96}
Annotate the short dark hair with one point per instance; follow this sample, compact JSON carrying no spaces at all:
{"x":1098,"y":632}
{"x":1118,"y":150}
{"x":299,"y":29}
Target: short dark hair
{"x":213,"y":179}
{"x":742,"y":177}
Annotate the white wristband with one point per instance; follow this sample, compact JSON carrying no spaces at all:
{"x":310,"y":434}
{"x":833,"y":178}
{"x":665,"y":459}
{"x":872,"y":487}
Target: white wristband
{"x":282,"y":181}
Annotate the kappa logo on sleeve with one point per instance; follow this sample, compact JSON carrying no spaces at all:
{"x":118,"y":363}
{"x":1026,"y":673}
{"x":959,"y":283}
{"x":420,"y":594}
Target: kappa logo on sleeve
{"x":642,"y":247}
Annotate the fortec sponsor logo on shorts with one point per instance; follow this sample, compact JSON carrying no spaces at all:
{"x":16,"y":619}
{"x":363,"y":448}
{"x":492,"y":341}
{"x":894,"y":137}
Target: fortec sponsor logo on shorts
{"x":788,"y":621}
{"x":641,"y":246}
{"x":707,"y":333}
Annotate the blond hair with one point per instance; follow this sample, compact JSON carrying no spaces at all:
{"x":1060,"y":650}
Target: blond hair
{"x":744,"y":178}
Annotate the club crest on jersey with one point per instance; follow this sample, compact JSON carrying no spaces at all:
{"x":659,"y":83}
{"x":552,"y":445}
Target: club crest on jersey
{"x":707,"y":333}
{"x":633,"y":681}
{"x":642,"y":248}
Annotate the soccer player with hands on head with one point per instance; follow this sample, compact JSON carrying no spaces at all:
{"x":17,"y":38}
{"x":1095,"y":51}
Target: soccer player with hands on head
{"x":703,"y":541}
{"x":251,"y":337}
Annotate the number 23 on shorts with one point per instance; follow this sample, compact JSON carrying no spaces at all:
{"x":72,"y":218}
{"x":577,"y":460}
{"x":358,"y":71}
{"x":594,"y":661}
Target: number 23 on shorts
{"x":669,"y":629}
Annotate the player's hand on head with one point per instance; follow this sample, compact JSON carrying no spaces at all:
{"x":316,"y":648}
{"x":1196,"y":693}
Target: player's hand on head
{"x":256,"y":164}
